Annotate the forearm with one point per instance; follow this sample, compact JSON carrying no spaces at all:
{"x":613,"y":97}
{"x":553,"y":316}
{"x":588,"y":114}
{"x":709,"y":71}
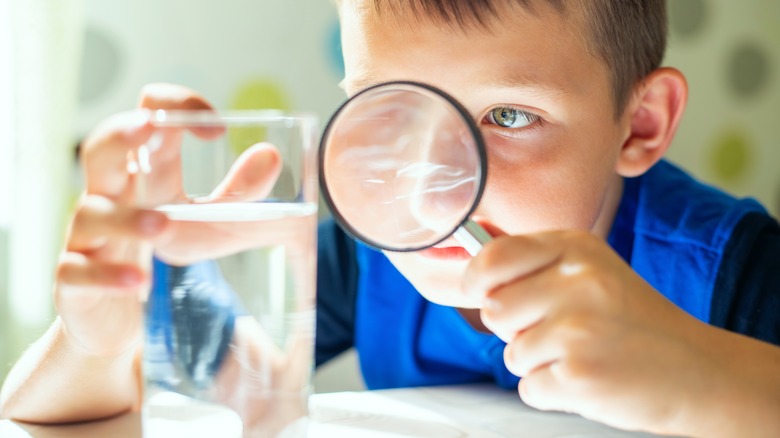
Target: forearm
{"x":54,"y":382}
{"x":744,"y":399}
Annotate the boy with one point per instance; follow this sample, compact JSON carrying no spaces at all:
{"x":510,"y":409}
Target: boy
{"x":577,"y":115}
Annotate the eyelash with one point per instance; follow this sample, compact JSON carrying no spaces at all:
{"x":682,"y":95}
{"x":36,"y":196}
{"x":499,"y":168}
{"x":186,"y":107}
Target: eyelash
{"x":533,"y":119}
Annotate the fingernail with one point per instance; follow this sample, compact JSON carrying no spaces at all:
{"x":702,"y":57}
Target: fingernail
{"x":151,"y":223}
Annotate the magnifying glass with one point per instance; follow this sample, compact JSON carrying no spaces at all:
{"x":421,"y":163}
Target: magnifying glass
{"x":403,"y":167}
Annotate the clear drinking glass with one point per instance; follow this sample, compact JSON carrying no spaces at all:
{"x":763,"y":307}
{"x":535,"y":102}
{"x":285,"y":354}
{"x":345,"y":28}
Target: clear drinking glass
{"x":230,"y":315}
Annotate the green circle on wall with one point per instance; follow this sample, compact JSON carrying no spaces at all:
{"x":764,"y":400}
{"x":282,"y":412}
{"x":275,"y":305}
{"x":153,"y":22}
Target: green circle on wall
{"x":255,"y":94}
{"x":731,"y":155}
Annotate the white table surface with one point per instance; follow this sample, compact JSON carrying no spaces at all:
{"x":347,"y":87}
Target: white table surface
{"x":446,"y":411}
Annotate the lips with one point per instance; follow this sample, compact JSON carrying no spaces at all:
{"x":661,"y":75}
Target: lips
{"x":446,"y":253}
{"x":449,"y":248}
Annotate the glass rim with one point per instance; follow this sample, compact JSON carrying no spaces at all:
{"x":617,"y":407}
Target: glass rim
{"x":204,"y":117}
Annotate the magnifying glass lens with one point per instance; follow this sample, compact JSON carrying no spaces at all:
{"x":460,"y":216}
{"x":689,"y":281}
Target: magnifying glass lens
{"x":402,"y":166}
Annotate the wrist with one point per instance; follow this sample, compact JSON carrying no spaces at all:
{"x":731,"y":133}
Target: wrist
{"x":736,"y":391}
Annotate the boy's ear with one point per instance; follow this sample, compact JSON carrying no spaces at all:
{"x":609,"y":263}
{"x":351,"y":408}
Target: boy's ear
{"x":654,"y":112}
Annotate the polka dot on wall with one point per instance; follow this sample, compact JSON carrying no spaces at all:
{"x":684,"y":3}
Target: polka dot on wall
{"x":259,"y":93}
{"x":101,"y":64}
{"x":731,"y":156}
{"x":748,"y":70}
{"x":687,"y":17}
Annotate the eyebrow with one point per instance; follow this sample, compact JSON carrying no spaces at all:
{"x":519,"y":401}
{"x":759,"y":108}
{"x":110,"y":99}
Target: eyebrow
{"x":539,"y":84}
{"x":515,"y":81}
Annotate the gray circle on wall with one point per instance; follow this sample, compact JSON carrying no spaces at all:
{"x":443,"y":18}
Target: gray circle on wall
{"x":748,"y":70}
{"x":687,"y":17}
{"x":101,"y":63}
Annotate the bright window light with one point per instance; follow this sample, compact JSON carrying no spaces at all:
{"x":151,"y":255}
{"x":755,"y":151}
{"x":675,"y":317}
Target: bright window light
{"x":6,"y":113}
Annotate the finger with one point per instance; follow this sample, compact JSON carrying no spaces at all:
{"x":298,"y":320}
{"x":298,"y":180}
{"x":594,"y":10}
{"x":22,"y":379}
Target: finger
{"x":541,"y":388}
{"x":79,"y":271}
{"x":104,"y":152}
{"x":98,"y":220}
{"x":170,"y":96}
{"x":162,"y":96}
{"x":533,"y":348}
{"x":509,"y":258}
{"x":251,"y":177}
{"x":525,"y":301}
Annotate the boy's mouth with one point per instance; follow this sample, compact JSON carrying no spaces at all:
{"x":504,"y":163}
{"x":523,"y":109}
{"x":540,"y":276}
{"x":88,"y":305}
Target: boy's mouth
{"x":450,"y":249}
{"x":445,"y":252}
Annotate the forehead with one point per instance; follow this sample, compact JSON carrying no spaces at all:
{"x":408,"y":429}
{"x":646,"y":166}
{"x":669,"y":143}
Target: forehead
{"x":541,"y":47}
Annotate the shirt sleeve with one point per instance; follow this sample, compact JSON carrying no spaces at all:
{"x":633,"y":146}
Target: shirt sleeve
{"x":337,"y":274}
{"x":746,"y":298}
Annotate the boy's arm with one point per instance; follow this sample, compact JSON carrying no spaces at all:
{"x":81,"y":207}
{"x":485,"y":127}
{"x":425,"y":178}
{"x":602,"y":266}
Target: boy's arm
{"x":54,"y":381}
{"x":746,"y":302}
{"x":741,"y":392}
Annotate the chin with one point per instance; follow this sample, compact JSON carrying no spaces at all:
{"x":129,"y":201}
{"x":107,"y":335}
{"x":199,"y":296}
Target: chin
{"x":438,"y":281}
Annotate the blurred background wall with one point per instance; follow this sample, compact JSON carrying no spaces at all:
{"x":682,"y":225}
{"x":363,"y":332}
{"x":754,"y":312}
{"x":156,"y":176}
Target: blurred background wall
{"x":286,"y":54}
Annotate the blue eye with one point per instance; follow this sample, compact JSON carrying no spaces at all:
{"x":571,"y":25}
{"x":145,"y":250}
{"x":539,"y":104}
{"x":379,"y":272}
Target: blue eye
{"x":507,"y":117}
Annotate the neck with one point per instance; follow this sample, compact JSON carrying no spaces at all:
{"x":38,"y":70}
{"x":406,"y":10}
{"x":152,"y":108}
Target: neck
{"x":603,"y":224}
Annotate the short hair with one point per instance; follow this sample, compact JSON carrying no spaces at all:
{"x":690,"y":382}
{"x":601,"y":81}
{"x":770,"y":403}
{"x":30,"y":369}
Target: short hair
{"x":629,"y":36}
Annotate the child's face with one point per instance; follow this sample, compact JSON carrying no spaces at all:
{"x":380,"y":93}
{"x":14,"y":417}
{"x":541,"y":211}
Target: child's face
{"x":552,"y":143}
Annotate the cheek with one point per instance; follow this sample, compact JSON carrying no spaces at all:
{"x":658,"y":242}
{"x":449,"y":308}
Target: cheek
{"x":539,"y":187}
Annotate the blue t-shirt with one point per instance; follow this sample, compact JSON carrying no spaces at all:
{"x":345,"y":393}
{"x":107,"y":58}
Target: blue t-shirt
{"x":716,"y":257}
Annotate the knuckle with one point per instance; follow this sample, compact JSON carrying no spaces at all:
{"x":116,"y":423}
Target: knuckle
{"x":578,"y":373}
{"x":67,"y":269}
{"x":575,"y":330}
{"x":90,"y":208}
{"x":512,"y":360}
{"x":587,"y":281}
{"x":491,"y":320}
{"x":80,"y":215}
{"x":582,"y":241}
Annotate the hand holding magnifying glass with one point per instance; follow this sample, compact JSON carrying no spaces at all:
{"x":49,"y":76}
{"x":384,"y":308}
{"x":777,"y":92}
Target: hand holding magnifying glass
{"x":403,"y":166}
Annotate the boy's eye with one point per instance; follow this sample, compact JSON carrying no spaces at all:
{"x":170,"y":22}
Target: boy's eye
{"x":511,"y":117}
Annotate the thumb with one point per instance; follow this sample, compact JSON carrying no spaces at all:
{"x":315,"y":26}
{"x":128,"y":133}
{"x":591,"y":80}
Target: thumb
{"x":251,"y":177}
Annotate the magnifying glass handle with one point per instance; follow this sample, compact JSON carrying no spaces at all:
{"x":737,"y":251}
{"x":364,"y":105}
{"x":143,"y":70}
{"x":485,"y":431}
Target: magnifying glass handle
{"x":472,"y":236}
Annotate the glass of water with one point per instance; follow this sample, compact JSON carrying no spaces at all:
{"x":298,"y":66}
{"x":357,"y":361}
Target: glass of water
{"x":230,"y":314}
